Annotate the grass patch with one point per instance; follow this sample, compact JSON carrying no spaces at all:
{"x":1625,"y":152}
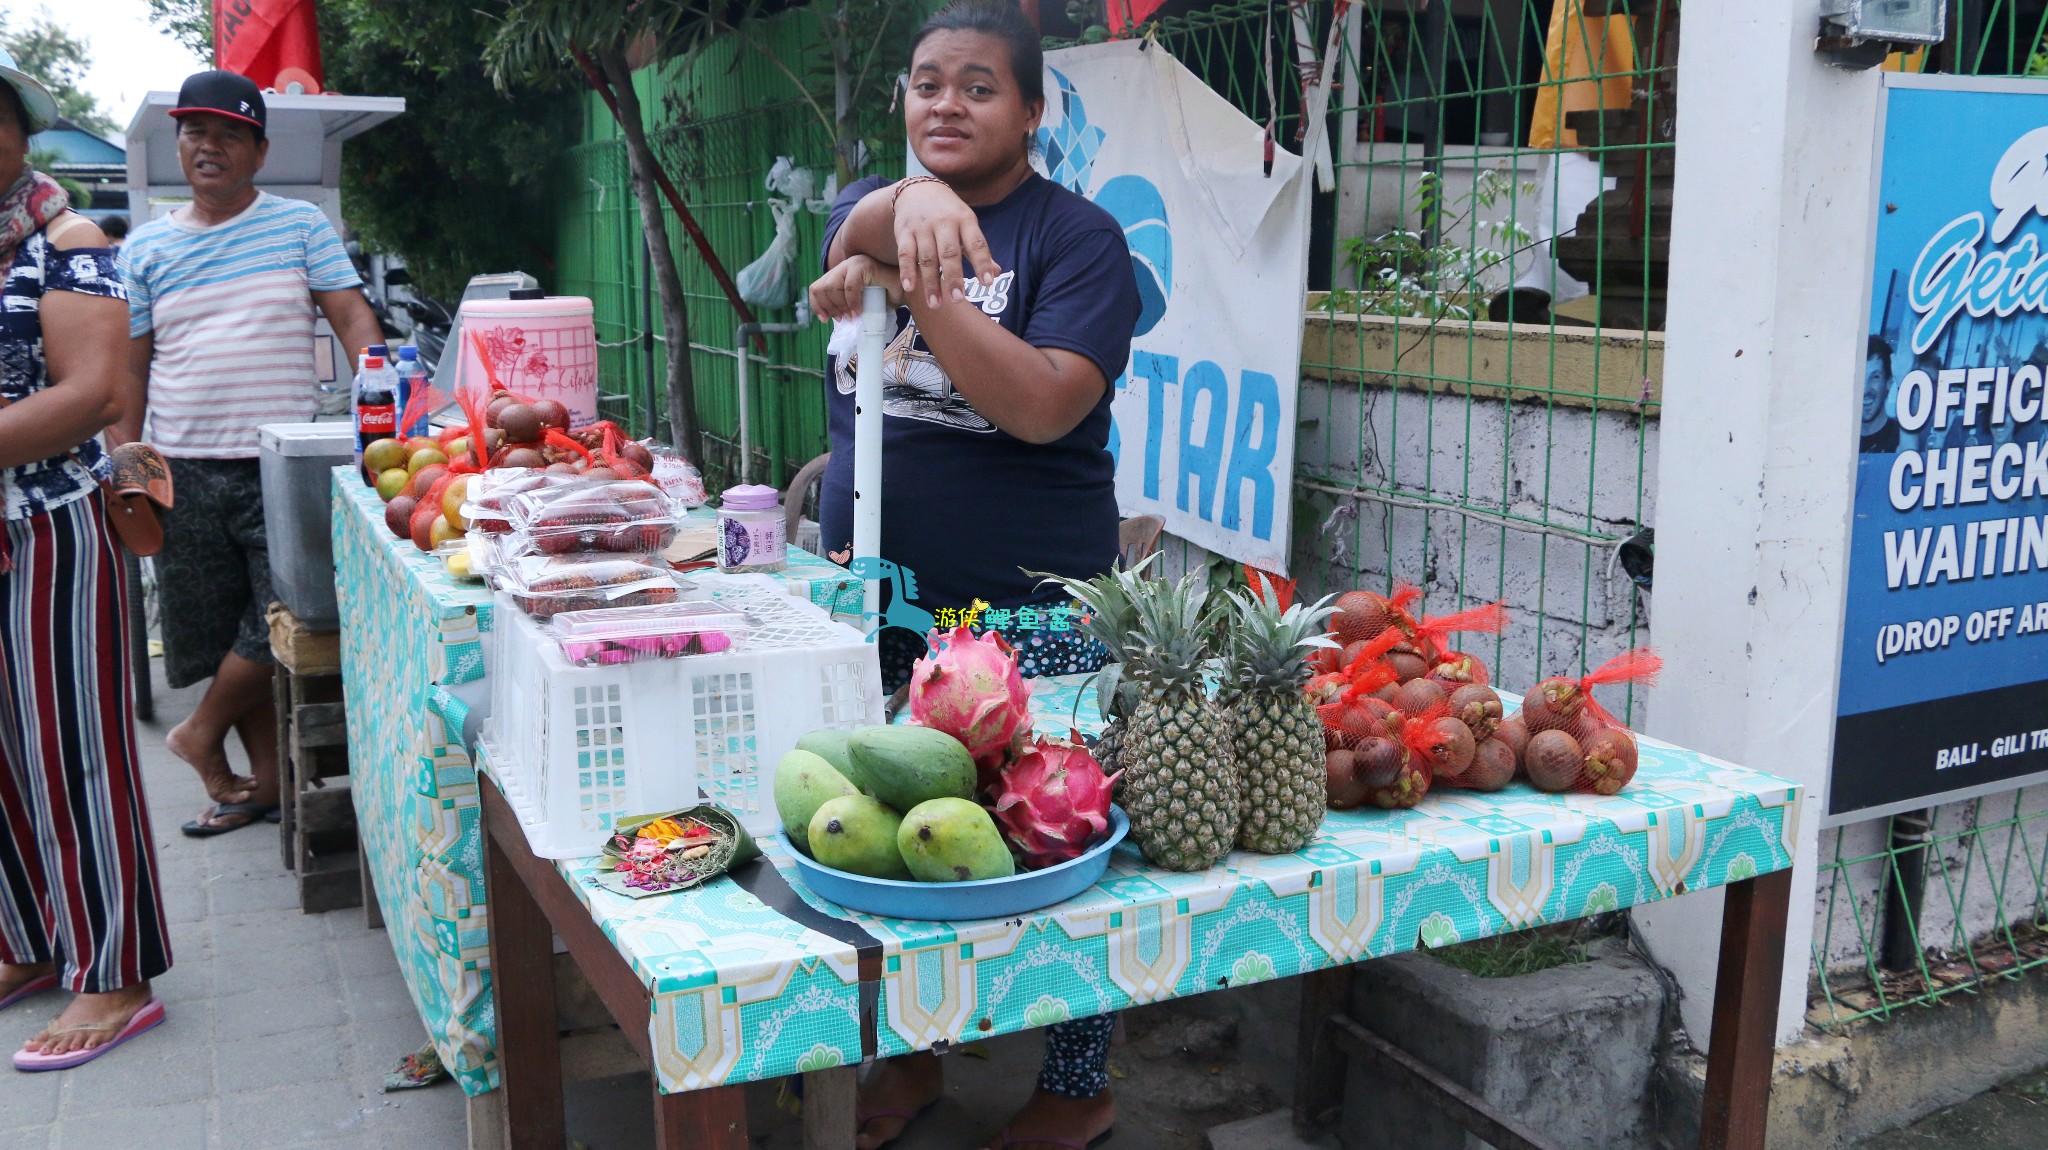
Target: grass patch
{"x":1522,"y":952}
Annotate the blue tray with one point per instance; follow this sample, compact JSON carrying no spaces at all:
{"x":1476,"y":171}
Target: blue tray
{"x":982,"y":898}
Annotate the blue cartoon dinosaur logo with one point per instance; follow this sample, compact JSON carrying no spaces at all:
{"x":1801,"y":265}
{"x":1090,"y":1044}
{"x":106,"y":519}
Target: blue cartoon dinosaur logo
{"x":900,"y":612}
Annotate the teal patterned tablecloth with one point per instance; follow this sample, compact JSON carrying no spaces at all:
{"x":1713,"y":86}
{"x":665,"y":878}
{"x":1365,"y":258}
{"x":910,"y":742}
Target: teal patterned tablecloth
{"x":411,"y":639}
{"x":742,"y":992}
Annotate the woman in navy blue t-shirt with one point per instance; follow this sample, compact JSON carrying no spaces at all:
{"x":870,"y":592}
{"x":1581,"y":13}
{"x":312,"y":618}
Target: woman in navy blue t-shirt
{"x":996,"y":434}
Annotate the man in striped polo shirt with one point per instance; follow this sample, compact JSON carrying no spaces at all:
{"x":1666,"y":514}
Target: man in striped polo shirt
{"x":221,"y":299}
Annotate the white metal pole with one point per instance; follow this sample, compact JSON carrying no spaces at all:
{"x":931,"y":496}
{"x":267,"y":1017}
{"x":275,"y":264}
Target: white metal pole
{"x":867,"y":435}
{"x":742,"y":378}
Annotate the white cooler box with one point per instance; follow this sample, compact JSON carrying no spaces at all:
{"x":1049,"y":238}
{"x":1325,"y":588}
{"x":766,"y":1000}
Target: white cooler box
{"x":575,"y":748}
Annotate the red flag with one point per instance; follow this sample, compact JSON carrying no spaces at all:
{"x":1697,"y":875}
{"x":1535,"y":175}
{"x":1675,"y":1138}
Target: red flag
{"x":274,"y":42}
{"x":1128,"y":14}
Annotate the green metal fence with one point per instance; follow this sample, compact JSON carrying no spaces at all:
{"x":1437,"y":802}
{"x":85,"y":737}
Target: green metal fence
{"x":1482,"y":441}
{"x":720,"y":121}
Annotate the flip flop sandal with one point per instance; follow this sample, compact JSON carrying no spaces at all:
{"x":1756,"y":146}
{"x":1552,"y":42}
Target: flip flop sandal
{"x":203,"y":828}
{"x":860,"y":1121}
{"x":148,"y":1018}
{"x":1006,"y":1140}
{"x":36,"y":985}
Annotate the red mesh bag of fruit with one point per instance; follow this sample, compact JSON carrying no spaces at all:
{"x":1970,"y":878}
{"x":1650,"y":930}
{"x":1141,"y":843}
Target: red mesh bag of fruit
{"x":1363,"y":616}
{"x":1450,"y":667}
{"x":1407,"y":756}
{"x":624,"y":457}
{"x":1383,"y":768}
{"x":1494,"y":759}
{"x":472,"y":450}
{"x":566,"y":454}
{"x":1575,"y":744}
{"x":418,"y":406}
{"x":1339,"y":695}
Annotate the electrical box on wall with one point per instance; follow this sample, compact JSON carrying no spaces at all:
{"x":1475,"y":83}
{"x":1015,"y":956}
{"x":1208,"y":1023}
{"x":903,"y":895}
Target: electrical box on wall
{"x":1861,"y":33}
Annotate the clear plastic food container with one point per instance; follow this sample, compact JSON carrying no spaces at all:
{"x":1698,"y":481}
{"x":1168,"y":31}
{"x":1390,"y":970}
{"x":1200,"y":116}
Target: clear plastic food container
{"x":459,"y":560}
{"x":546,"y":586}
{"x":590,"y":516}
{"x":661,"y":631}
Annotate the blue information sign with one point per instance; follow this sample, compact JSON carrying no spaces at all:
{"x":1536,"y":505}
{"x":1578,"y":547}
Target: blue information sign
{"x":1944,"y":682}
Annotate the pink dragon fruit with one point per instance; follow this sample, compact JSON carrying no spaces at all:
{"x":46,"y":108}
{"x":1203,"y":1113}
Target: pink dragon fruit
{"x":969,"y":687}
{"x":1054,"y":802}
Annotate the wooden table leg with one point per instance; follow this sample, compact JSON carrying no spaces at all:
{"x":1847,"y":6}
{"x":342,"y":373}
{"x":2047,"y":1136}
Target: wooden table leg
{"x":714,"y":1119}
{"x":523,"y":986}
{"x":287,"y":774}
{"x":1744,"y":1040}
{"x":487,"y":1121}
{"x":829,"y":1108}
{"x":1318,"y":1063}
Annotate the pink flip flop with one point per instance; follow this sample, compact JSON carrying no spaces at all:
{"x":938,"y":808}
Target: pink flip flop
{"x":150,"y":1016}
{"x":33,"y":986}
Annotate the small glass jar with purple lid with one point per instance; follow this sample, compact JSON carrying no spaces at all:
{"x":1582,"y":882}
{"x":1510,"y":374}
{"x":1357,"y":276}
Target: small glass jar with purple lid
{"x":750,"y":525}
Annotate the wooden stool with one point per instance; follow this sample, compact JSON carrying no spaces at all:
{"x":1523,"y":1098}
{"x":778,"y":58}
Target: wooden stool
{"x":317,"y":827}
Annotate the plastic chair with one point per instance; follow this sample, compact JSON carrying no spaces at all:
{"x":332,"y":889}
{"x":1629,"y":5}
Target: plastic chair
{"x":1138,"y":537}
{"x":799,"y":492}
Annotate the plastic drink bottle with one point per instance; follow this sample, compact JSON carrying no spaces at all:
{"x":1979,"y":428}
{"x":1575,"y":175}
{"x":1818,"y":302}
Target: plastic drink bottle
{"x":412,"y":377}
{"x":376,"y":406}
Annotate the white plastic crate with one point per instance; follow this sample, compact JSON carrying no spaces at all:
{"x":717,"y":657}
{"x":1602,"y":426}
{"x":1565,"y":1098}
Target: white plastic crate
{"x":577,"y":747}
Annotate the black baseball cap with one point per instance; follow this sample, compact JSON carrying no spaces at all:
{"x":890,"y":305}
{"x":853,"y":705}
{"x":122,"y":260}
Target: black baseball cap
{"x":219,"y":93}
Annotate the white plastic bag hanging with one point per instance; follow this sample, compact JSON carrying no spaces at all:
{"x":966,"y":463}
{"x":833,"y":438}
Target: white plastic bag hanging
{"x":770,"y":281}
{"x":790,"y":182}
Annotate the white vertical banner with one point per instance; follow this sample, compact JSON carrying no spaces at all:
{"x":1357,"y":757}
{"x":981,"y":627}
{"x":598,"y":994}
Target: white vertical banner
{"x":1205,"y":410}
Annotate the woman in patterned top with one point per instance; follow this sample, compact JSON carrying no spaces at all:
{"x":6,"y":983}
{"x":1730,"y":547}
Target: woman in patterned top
{"x":79,"y":899}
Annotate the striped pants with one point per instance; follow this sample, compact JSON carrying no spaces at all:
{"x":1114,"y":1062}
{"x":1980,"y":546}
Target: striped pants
{"x":78,"y":873}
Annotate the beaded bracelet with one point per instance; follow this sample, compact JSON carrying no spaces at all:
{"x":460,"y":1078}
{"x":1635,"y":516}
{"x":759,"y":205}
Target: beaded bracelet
{"x":905,"y":183}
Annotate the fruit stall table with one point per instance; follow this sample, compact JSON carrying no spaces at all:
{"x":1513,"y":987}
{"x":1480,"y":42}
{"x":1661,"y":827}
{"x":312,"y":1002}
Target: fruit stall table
{"x":412,"y":659}
{"x":751,"y":976}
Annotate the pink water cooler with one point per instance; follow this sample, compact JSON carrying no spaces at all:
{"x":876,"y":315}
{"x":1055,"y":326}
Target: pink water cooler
{"x":540,"y":348}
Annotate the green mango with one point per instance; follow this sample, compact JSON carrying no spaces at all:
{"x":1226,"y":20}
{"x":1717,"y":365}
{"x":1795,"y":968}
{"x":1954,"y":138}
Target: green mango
{"x":803,"y":783}
{"x":856,"y":834}
{"x":831,"y":746}
{"x":904,"y":766}
{"x":953,"y":840}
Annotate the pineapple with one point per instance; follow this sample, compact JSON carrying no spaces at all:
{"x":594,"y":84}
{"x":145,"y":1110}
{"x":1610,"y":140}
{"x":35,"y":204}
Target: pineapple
{"x":1276,"y":738}
{"x":1179,"y":786}
{"x":1110,"y":618}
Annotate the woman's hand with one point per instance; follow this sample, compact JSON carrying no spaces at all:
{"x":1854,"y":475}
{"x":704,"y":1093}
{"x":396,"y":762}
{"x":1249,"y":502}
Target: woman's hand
{"x":837,"y":294}
{"x":934,"y":228}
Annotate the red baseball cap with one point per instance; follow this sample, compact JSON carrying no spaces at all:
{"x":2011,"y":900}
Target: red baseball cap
{"x":219,"y":93}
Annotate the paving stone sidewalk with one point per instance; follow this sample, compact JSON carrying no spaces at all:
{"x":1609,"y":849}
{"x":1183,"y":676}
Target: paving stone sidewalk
{"x":2010,"y":1116}
{"x":282,"y":1026}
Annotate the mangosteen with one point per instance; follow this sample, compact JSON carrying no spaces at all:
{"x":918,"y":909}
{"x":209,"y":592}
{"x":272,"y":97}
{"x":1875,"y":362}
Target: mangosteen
{"x":520,"y":422}
{"x":552,"y":413}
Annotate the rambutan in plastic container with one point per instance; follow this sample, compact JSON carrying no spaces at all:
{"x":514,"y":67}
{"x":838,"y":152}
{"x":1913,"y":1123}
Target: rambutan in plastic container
{"x":575,"y":748}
